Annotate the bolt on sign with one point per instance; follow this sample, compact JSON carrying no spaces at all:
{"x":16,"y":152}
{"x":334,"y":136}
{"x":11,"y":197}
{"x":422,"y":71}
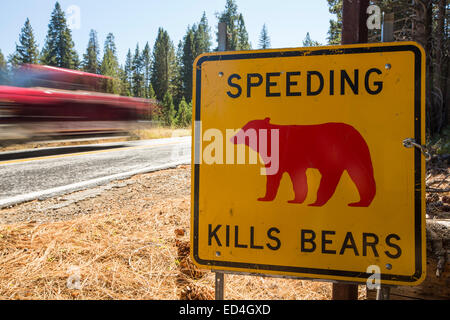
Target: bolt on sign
{"x":299,"y":163}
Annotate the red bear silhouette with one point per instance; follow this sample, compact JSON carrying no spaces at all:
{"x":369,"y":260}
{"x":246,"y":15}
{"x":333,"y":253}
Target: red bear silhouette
{"x":330,"y":147}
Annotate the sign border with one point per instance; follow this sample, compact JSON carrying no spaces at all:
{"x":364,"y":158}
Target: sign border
{"x":418,"y":183}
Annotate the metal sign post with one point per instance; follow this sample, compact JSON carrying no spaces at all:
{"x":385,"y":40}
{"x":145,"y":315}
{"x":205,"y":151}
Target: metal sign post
{"x":220,"y":276}
{"x":354,"y":30}
{"x":387,"y":35}
{"x":219,"y":285}
{"x":387,"y":31}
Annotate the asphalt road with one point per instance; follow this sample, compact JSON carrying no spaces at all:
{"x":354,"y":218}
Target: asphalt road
{"x":42,"y":173}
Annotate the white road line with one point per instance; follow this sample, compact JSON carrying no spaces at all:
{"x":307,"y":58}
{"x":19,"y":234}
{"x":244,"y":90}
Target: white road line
{"x":86,"y":184}
{"x":75,"y":154}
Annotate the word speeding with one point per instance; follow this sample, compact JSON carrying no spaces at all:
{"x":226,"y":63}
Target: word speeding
{"x":334,"y":82}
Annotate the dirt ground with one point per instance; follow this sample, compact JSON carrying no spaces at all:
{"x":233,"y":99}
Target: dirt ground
{"x":126,"y":240}
{"x":130,"y":241}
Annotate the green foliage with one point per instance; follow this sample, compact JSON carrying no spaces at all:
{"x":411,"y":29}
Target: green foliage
{"x":168,"y":110}
{"x":243,"y":43}
{"x":202,"y":36}
{"x":59,"y":49}
{"x":177,"y":81}
{"x":163,"y":65}
{"x":138,"y":84}
{"x":146,"y":66}
{"x":237,"y":36}
{"x":151,"y":92}
{"x":127,"y":76}
{"x":27,"y":50}
{"x":187,"y":61}
{"x":91,"y":57}
{"x":2,"y":60}
{"x":196,"y":41}
{"x":308,"y":42}
{"x":184,"y":114}
{"x":125,"y":89}
{"x":264,"y":39}
{"x":148,"y":74}
{"x":110,"y":66}
{"x":335,"y":29}
{"x":3,"y":70}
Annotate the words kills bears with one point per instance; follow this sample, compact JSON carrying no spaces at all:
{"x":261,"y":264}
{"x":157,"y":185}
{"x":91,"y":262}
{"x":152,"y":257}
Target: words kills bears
{"x":323,"y":241}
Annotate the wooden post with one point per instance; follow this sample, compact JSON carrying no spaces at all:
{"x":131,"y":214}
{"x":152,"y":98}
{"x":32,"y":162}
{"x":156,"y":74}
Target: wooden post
{"x":354,"y":21}
{"x":354,"y":30}
{"x":222,"y":36}
{"x":383,"y":293}
{"x":344,"y":291}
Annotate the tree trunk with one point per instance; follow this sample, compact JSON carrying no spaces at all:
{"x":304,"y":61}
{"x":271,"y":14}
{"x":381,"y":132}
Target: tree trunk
{"x":423,"y":35}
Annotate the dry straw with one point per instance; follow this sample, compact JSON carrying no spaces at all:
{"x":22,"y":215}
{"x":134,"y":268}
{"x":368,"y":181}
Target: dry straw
{"x":133,"y":244}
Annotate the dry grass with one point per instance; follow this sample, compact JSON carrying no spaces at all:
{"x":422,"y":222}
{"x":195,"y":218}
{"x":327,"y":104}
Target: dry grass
{"x":133,"y":244}
{"x":49,"y":144}
{"x":119,"y":255}
{"x":160,"y":132}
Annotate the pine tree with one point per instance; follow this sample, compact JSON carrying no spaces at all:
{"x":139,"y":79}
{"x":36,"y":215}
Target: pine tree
{"x":237,"y":36}
{"x":125,"y":89}
{"x":127,"y":79}
{"x":230,"y":16}
{"x":110,"y":65}
{"x":2,"y":61}
{"x":196,"y":41}
{"x":177,"y":80}
{"x":243,"y":43}
{"x":184,"y":114}
{"x":335,"y":29}
{"x":308,"y":42}
{"x":264,"y":39}
{"x":168,"y":110}
{"x":202,"y":36}
{"x":163,"y":65}
{"x":91,"y":57}
{"x":187,"y":61}
{"x":59,"y":49}
{"x":137,"y":87}
{"x":151,"y":92}
{"x":27,"y":50}
{"x":3,"y":70}
{"x":147,"y":65}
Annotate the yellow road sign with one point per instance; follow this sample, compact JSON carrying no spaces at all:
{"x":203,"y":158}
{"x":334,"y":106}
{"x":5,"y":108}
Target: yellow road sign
{"x":299,"y":167}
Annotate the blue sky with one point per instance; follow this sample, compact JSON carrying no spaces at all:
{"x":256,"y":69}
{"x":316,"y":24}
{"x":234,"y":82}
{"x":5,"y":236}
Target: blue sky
{"x":135,"y":21}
